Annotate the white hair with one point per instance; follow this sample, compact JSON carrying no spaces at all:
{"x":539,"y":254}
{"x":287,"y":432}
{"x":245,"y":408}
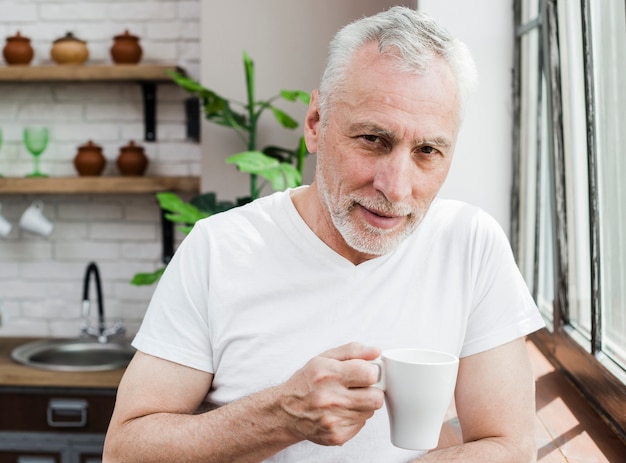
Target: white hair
{"x":413,"y":36}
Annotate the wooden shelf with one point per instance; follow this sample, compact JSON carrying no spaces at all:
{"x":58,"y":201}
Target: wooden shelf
{"x":147,"y":75}
{"x":98,"y":185}
{"x":83,"y":72}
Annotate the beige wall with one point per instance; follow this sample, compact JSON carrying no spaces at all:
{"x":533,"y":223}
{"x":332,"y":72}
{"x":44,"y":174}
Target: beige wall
{"x":287,"y":40}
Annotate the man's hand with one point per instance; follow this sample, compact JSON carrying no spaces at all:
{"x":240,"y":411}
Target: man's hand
{"x":330,"y":398}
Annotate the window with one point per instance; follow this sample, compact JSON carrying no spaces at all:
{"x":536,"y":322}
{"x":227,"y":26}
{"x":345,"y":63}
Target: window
{"x":569,"y":230}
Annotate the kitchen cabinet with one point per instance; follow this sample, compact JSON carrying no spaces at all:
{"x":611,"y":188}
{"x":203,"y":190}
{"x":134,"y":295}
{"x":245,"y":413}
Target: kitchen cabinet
{"x":48,"y":416}
{"x":42,"y":425}
{"x":49,"y":425}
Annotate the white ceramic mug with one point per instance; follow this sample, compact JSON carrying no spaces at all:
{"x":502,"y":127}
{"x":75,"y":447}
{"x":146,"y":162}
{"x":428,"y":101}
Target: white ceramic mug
{"x":418,"y":387}
{"x":5,"y":225}
{"x":34,"y":220}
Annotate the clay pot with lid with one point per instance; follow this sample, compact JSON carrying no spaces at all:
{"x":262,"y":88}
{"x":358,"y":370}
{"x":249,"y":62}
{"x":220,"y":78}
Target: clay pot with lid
{"x":126,"y":49}
{"x":18,"y":50}
{"x":69,"y":50}
{"x":132,"y":160}
{"x":89,"y":161}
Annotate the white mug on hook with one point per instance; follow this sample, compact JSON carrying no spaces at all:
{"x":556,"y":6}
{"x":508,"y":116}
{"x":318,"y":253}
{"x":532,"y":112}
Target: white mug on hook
{"x":5,"y":225}
{"x":34,"y":220}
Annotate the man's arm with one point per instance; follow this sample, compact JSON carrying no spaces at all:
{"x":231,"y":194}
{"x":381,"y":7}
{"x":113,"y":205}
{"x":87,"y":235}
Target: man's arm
{"x":327,"y":401}
{"x":495,"y":401}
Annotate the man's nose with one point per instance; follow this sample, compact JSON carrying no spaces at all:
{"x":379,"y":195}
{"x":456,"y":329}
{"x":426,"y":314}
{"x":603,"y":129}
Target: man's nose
{"x":395,"y":176}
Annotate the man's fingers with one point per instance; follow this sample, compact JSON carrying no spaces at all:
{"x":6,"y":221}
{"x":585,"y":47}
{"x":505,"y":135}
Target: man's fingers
{"x":353,"y":350}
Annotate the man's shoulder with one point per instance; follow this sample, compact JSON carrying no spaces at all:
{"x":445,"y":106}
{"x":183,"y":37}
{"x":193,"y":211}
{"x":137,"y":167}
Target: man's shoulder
{"x":446,"y":210}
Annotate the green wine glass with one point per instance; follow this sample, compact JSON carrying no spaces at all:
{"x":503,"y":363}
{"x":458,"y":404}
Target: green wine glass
{"x":36,"y":140}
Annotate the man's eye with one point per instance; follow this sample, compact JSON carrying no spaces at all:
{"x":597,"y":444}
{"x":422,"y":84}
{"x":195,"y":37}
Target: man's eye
{"x":427,"y":149}
{"x":371,"y":138}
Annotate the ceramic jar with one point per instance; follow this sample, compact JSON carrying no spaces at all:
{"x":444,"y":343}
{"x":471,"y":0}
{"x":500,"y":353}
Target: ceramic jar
{"x":126,"y":49}
{"x":89,"y":161}
{"x":18,"y":50}
{"x":69,"y":50}
{"x":132,"y":160}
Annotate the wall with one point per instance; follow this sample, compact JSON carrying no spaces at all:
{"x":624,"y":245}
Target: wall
{"x":41,"y":279}
{"x":288,"y":42}
{"x":482,"y":169}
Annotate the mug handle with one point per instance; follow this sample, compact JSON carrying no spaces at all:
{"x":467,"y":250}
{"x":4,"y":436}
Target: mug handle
{"x":381,"y":383}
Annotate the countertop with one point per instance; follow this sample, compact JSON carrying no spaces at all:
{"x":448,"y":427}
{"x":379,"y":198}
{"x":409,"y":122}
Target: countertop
{"x":14,"y":374}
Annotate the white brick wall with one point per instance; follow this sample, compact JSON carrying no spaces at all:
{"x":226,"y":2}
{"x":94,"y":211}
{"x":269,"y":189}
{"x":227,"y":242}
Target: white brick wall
{"x":41,"y":278}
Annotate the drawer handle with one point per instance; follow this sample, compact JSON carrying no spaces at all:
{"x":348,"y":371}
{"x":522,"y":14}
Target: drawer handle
{"x":67,"y":413}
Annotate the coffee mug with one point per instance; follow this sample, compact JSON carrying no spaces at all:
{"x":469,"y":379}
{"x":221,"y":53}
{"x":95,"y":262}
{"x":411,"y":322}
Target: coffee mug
{"x":5,"y":225}
{"x":418,"y":386}
{"x":34,"y":220}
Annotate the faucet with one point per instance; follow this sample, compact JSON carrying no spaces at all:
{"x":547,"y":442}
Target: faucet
{"x":101,"y":332}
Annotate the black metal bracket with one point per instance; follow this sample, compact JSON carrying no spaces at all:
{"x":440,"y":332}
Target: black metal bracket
{"x":192,"y":116}
{"x":167,"y":237}
{"x":149,"y":110}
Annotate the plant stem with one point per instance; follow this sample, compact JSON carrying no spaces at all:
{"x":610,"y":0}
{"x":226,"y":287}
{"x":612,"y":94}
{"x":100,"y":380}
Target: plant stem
{"x":254,"y":193}
{"x":253,"y":119}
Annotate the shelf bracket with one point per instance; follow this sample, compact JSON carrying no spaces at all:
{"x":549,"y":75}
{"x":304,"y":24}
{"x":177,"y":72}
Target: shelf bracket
{"x":149,"y":110}
{"x":167,"y":237}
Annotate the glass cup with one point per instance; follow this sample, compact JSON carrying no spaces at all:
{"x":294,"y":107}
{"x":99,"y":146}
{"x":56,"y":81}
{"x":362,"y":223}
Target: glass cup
{"x":36,"y":141}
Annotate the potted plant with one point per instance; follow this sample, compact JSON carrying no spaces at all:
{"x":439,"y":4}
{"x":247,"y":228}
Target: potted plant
{"x":272,"y":165}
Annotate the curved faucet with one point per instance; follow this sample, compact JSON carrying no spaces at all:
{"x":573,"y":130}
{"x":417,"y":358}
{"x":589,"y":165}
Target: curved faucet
{"x":101,"y":332}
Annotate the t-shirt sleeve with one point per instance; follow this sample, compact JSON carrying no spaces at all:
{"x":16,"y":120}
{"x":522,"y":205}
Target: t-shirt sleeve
{"x":502,"y":308}
{"x":175,"y":326}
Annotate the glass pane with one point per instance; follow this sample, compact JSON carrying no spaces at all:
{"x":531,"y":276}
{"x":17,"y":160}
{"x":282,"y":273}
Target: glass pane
{"x":528,"y":153}
{"x":609,"y":51}
{"x":545,"y":255}
{"x":576,"y":166}
{"x":530,"y":10}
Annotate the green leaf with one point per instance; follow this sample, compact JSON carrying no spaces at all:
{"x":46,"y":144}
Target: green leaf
{"x":293,"y":95}
{"x":144,"y":279}
{"x":252,"y":162}
{"x":285,"y":119}
{"x":179,"y":210}
{"x":293,"y":177}
{"x":207,"y":202}
{"x":185,"y":82}
{"x":281,"y":176}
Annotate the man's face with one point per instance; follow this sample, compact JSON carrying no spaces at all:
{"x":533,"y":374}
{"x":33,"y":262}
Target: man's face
{"x":384,"y":150}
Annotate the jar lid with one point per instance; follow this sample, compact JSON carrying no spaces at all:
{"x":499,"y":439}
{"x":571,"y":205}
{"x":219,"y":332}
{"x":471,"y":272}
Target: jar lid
{"x":18,"y":38}
{"x":131,"y":146}
{"x":90,"y":145}
{"x":126,"y":35}
{"x":69,"y":37}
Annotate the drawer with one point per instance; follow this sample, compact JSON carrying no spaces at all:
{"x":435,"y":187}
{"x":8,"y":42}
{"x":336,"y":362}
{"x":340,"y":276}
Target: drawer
{"x":56,"y":411}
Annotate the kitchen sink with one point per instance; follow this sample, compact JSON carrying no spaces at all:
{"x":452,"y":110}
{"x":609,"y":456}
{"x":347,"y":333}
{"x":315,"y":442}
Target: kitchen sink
{"x":73,"y":354}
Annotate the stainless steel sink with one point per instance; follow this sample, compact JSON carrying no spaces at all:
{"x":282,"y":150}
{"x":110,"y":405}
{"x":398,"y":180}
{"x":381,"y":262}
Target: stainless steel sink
{"x":73,"y":354}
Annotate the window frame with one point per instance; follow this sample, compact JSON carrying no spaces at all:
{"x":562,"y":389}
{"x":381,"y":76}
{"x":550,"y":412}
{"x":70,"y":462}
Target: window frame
{"x":585,"y":368}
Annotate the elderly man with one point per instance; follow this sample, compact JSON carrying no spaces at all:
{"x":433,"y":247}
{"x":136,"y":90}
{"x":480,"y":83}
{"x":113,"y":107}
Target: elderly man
{"x":271,"y":312}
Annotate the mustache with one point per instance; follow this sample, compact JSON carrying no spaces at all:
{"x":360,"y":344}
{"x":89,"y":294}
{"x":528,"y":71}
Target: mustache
{"x":381,"y":205}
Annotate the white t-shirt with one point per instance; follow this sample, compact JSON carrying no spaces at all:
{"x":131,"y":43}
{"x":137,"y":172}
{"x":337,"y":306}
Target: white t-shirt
{"x":252,"y":294}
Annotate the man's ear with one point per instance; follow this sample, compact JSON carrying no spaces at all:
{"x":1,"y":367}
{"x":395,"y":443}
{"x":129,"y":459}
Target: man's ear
{"x":312,"y":123}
